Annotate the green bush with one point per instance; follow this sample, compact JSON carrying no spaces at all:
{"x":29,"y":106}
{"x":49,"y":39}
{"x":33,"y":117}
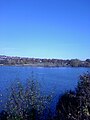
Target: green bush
{"x":27,"y":103}
{"x":75,"y":105}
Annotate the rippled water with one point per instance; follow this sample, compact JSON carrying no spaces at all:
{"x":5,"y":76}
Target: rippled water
{"x":58,"y":80}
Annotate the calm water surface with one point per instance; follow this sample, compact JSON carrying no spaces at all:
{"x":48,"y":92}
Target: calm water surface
{"x":58,"y":80}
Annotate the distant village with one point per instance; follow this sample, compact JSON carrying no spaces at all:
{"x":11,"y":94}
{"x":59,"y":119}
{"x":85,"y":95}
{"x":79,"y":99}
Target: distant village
{"x":24,"y":61}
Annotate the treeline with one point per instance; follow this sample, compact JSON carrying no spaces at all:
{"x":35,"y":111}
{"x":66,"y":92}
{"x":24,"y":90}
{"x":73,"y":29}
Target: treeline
{"x":6,"y":60}
{"x":28,"y":104}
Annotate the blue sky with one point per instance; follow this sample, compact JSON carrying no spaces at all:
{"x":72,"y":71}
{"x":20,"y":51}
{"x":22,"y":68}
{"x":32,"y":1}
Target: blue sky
{"x":45,"y":28}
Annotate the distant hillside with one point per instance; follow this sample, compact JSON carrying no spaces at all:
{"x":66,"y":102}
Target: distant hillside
{"x":8,"y":60}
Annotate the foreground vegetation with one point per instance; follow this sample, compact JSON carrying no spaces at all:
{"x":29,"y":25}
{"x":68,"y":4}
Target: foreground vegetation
{"x":29,"y":103}
{"x":76,"y":105}
{"x":26,"y":102}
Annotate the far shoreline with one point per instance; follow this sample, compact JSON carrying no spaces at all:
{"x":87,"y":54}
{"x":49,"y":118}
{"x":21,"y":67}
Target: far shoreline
{"x":38,"y":62}
{"x":26,"y":65}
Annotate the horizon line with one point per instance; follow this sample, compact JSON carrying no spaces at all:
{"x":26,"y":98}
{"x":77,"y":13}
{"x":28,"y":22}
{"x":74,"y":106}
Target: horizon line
{"x":43,"y":57}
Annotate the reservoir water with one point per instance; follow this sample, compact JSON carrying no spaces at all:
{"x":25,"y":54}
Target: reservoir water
{"x":56,"y":79}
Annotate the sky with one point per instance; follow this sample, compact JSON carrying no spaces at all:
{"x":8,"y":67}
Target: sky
{"x":45,"y":28}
